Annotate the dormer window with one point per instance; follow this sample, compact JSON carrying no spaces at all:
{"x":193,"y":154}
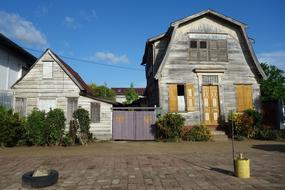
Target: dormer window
{"x":208,"y":50}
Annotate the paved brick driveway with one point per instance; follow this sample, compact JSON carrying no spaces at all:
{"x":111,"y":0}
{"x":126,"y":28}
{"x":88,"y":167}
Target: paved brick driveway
{"x":150,"y":165}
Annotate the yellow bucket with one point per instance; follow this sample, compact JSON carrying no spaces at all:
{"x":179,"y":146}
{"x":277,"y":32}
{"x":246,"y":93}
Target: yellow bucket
{"x":242,"y":168}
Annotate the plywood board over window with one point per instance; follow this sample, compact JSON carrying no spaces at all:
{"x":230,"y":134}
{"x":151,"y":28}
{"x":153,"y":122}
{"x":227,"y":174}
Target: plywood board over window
{"x":72,"y":104}
{"x":243,"y":97}
{"x":95,"y":112}
{"x":45,"y":104}
{"x":47,"y":70}
{"x":20,"y":106}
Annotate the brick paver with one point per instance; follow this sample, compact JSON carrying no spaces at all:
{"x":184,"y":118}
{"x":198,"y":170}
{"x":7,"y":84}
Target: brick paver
{"x":156,"y":171}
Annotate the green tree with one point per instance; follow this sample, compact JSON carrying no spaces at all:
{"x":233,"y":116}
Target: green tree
{"x":273,"y":88}
{"x":131,"y":94}
{"x":102,"y":91}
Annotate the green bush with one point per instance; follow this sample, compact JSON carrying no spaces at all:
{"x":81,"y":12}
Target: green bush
{"x":54,"y":128}
{"x":265,"y":134}
{"x":35,"y":128}
{"x":169,"y":126}
{"x":11,"y":127}
{"x":245,"y":123}
{"x":66,"y":141}
{"x":198,"y":133}
{"x":84,"y":121}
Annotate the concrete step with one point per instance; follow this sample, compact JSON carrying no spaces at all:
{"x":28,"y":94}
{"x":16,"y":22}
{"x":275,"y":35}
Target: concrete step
{"x":219,"y":135}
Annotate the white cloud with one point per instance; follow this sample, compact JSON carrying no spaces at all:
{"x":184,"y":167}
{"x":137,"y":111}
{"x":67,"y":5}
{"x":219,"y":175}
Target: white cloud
{"x":110,"y":57}
{"x":19,"y":28}
{"x":70,"y":22}
{"x":276,"y":58}
{"x":88,"y":15}
{"x":41,"y":11}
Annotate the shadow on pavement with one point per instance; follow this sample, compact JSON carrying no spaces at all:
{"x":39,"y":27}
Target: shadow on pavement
{"x":270,"y":147}
{"x":223,"y":171}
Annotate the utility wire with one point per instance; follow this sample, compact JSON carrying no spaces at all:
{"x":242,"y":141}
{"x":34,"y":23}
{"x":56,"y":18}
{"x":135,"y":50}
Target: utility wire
{"x":88,"y":61}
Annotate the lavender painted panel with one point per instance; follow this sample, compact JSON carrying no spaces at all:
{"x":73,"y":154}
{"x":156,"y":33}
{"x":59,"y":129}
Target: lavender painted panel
{"x":145,"y":121}
{"x":123,"y":125}
{"x":133,"y":125}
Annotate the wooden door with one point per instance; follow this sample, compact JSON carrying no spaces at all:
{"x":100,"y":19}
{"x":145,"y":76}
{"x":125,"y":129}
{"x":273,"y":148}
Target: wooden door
{"x":211,"y":105}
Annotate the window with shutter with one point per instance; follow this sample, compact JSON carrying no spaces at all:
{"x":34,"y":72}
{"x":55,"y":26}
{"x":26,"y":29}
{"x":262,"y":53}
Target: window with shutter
{"x":194,"y":50}
{"x":222,"y":50}
{"x":72,"y":104}
{"x":243,"y":97}
{"x":190,"y":97}
{"x":213,"y":49}
{"x":47,"y":70}
{"x":95,"y":112}
{"x":172,"y":98}
{"x":20,"y":106}
{"x":208,"y":50}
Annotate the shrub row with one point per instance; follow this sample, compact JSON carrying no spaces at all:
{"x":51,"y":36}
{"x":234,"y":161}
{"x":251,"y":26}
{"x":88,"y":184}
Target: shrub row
{"x":39,"y":128}
{"x":248,"y":124}
{"x":171,"y":126}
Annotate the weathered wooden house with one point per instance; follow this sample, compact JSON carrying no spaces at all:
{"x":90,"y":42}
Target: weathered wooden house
{"x":203,"y":67}
{"x":51,"y":83}
{"x":14,"y":63}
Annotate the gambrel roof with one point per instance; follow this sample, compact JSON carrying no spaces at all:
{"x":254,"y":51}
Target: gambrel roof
{"x":174,"y":25}
{"x":74,"y":76}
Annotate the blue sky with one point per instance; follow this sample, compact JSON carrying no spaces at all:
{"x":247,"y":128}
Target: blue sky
{"x":115,"y":32}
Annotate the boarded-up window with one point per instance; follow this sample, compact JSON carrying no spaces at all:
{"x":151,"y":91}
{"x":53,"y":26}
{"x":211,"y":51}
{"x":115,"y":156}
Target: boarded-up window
{"x":203,"y":51}
{"x":181,"y":97}
{"x":208,"y":50}
{"x":95,"y":112}
{"x":47,"y":70}
{"x":222,"y":50}
{"x":213,"y":49}
{"x":194,"y":50}
{"x":243,"y":97}
{"x":72,"y":104}
{"x":20,"y":106}
{"x":46,"y":104}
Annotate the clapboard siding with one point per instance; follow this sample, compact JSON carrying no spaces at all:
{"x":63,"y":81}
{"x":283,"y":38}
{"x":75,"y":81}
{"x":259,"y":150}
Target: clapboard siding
{"x":61,"y":87}
{"x":178,"y":68}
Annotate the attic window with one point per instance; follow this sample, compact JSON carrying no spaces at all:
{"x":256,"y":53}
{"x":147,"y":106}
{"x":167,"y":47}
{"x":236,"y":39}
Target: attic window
{"x":47,"y":70}
{"x":203,"y":44}
{"x":193,"y":44}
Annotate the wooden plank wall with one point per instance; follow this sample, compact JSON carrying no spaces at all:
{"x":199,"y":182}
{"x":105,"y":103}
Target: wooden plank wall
{"x":179,"y":68}
{"x":60,"y":86}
